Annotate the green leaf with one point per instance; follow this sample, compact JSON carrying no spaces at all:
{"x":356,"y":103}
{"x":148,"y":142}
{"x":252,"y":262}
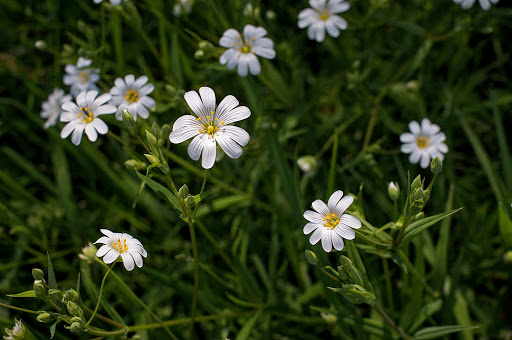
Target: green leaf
{"x":437,"y":331}
{"x":427,"y":310}
{"x":53,"y":328}
{"x":52,"y":281}
{"x":198,"y":198}
{"x":417,"y":227}
{"x":165,"y":193}
{"x":248,"y":326}
{"x":28,"y":293}
{"x":505,"y":226}
{"x":355,"y":294}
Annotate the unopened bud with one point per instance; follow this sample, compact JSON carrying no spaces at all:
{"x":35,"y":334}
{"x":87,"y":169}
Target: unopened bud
{"x":199,"y":54}
{"x":151,"y":141}
{"x":307,"y":164}
{"x":40,"y":44}
{"x":44,"y":317}
{"x":74,"y":309}
{"x":190,"y":201}
{"x":417,"y":183}
{"x":40,"y":289}
{"x":151,"y":158}
{"x":393,"y":191}
{"x":76,"y":328}
{"x":128,"y":119}
{"x":135,"y":164}
{"x":37,"y":274}
{"x":436,"y":166}
{"x":311,"y":257}
{"x":88,"y":252}
{"x":183,"y":192}
{"x":71,"y":295}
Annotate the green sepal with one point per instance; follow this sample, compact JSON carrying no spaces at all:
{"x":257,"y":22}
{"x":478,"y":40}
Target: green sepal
{"x":355,"y":294}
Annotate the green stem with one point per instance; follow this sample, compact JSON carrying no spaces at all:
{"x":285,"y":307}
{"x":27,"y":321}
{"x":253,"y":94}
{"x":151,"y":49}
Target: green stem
{"x":391,"y":323}
{"x":414,"y":272}
{"x":127,"y":290}
{"x":389,"y":290}
{"x":328,"y":274}
{"x":100,"y":294}
{"x":19,"y":308}
{"x":202,"y":190}
{"x":196,"y":275}
{"x":397,"y":240}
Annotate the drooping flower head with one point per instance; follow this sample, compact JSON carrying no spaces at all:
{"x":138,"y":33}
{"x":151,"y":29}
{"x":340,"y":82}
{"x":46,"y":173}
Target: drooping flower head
{"x":211,"y":126}
{"x":84,"y":116}
{"x":242,"y":51}
{"x":121,"y":244}
{"x":330,"y":223}
{"x":17,"y":332}
{"x":81,"y":77}
{"x":423,"y":143}
{"x":322,"y":18}
{"x":113,"y":2}
{"x":467,"y":4}
{"x":52,"y":107}
{"x":182,"y":6}
{"x":132,"y":94}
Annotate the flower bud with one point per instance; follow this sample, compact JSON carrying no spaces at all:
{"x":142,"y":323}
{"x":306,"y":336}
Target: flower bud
{"x":198,"y":54}
{"x":71,"y":295}
{"x":183,"y":192}
{"x":436,"y":166}
{"x":152,"y":142}
{"x":44,"y":317}
{"x":393,"y":191}
{"x":418,"y":194}
{"x":417,"y":183}
{"x":190,"y":201}
{"x":135,"y":164}
{"x":77,"y":328}
{"x":40,"y":289}
{"x":507,"y":257}
{"x":311,"y":257}
{"x":40,"y":44}
{"x":37,"y":274}
{"x":307,"y":164}
{"x":74,"y":309}
{"x":329,"y":318}
{"x":151,"y":158}
{"x":128,"y":119}
{"x":88,"y":252}
{"x":17,"y":332}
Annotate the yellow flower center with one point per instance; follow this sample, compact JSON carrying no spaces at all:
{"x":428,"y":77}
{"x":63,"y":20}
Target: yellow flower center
{"x":83,"y":77}
{"x":132,"y":96}
{"x":331,"y":221}
{"x":324,"y":15}
{"x":210,"y":125}
{"x":85,"y":114}
{"x":422,"y":142}
{"x":121,"y":247}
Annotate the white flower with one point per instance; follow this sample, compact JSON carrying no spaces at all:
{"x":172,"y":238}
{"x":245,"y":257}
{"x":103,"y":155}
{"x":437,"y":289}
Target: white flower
{"x":243,"y":52}
{"x":120,"y":244}
{"x":132,"y":94}
{"x":17,"y":332}
{"x":81,"y":77}
{"x":211,"y":126}
{"x":322,"y":17}
{"x":467,"y":4}
{"x":113,"y":2}
{"x":330,"y":223}
{"x":84,"y":116}
{"x":424,"y":143}
{"x":52,"y":107}
{"x":182,"y":6}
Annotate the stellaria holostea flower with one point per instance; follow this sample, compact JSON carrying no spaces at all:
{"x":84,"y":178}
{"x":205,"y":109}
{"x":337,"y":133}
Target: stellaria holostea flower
{"x":467,"y":4}
{"x":132,"y":94}
{"x":423,"y":143}
{"x":121,"y":244}
{"x":242,"y":53}
{"x":322,"y":17}
{"x":113,"y":2}
{"x":52,"y":107}
{"x":182,"y":6}
{"x":17,"y":332}
{"x":81,"y":77}
{"x":84,"y":116}
{"x":211,"y":126}
{"x":329,"y":223}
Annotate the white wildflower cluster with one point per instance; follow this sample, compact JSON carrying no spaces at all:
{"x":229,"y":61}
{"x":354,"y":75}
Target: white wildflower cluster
{"x":467,"y":4}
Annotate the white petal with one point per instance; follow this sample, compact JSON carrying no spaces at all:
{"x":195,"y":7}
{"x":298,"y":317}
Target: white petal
{"x":251,"y":31}
{"x":128,"y":262}
{"x":415,"y":127}
{"x":140,"y":82}
{"x":243,"y":67}
{"x":104,"y":110}
{"x":425,"y":160}
{"x":76,"y":137}
{"x":254,"y":64}
{"x":230,"y":37}
{"x":147,"y":102}
{"x":120,"y":84}
{"x":408,"y":148}
{"x":344,"y":204}
{"x":137,"y":257}
{"x":310,"y":226}
{"x":320,"y":207}
{"x":268,"y":53}
{"x":227,"y":104}
{"x":350,"y":221}
{"x":103,"y":250}
{"x":226,"y":56}
{"x":327,"y":240}
{"x":235,"y":133}
{"x":334,"y":199}
{"x":415,"y":156}
{"x":407,"y":137}
{"x":345,"y":232}
{"x":317,"y":235}
{"x":234,"y":115}
{"x":313,"y":216}
{"x":307,"y":17}
{"x":91,"y":95}
{"x":209,"y":153}
{"x":184,"y":128}
{"x":331,"y":29}
{"x":111,"y":256}
{"x":68,"y":128}
{"x":100,"y":126}
{"x":195,"y":147}
{"x":129,"y":79}
{"x":91,"y":132}
{"x":338,"y":6}
{"x":208,"y":98}
{"x":194,"y":102}
{"x":337,"y":241}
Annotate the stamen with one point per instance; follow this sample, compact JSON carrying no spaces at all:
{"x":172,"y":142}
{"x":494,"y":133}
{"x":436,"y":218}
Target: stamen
{"x":132,"y":96}
{"x":198,"y":118}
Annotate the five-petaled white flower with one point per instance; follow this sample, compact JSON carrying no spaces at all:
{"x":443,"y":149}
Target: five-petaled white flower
{"x":182,"y":6}
{"x":211,"y":126}
{"x":467,"y":4}
{"x":131,"y":94}
{"x":121,"y":244}
{"x":330,"y":223}
{"x":52,"y":107}
{"x":322,"y":17}
{"x":243,"y":52}
{"x":81,"y":77}
{"x":424,"y":143}
{"x":84,"y":116}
